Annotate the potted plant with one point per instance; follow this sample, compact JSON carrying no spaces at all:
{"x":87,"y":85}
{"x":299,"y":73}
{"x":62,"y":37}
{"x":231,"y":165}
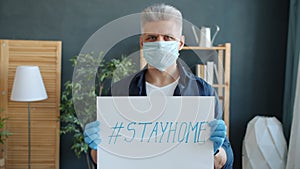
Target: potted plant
{"x":86,"y":65}
{"x":3,"y":136}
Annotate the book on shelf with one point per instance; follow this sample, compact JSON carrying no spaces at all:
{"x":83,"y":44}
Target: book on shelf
{"x":208,"y":72}
{"x":200,"y":71}
{"x":217,"y":74}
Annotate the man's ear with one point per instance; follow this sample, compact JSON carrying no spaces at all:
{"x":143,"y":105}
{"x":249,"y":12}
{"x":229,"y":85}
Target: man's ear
{"x":181,"y":43}
{"x":141,"y":42}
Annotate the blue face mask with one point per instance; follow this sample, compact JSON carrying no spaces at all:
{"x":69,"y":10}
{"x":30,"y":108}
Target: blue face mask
{"x":161,"y":54}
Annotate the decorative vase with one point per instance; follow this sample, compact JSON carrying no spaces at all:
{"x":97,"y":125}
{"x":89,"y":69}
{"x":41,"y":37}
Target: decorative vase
{"x":264,"y":145}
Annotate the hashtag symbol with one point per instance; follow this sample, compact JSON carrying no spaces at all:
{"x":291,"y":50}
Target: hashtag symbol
{"x":113,"y":135}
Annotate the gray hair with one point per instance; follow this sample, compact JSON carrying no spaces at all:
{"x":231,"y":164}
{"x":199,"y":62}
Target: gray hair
{"x":161,"y":12}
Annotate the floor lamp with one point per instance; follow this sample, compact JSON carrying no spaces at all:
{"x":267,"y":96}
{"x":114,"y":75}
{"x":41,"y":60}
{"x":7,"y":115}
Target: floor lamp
{"x":28,"y":87}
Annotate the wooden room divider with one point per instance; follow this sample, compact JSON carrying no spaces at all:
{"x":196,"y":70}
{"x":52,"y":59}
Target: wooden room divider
{"x":45,"y":124}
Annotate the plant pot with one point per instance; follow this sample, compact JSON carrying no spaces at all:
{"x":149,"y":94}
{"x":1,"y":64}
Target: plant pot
{"x":2,"y":162}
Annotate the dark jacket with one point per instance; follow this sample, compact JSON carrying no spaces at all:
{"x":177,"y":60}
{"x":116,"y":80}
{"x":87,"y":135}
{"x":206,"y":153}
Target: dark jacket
{"x":188,"y":85}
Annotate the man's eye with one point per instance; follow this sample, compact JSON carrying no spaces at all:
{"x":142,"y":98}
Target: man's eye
{"x":151,"y":38}
{"x":168,"y":38}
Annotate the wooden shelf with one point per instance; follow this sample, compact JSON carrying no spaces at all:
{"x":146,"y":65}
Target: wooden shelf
{"x":203,"y":48}
{"x":223,"y":67}
{"x":218,"y":85}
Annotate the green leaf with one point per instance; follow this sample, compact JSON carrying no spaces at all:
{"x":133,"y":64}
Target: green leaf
{"x":89,"y":65}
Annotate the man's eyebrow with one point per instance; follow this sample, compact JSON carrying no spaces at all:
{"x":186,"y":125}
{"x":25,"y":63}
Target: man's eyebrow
{"x":150,"y":34}
{"x":156,"y":34}
{"x":172,"y":36}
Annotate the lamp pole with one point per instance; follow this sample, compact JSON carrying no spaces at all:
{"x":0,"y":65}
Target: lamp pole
{"x":29,"y":134}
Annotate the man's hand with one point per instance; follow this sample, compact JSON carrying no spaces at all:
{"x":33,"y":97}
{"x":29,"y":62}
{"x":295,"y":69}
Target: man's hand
{"x":92,"y":134}
{"x":218,"y":133}
{"x":220,"y":159}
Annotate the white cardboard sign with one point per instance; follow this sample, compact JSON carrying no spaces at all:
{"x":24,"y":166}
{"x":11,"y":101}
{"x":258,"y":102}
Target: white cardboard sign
{"x":155,"y":132}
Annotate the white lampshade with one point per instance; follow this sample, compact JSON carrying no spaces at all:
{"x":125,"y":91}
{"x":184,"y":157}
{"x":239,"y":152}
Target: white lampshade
{"x":28,"y":85}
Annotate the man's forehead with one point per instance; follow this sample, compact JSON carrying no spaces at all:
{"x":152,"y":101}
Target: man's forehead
{"x":162,"y":28}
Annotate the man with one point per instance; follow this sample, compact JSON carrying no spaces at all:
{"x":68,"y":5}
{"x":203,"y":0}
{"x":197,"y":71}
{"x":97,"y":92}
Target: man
{"x":161,"y":40}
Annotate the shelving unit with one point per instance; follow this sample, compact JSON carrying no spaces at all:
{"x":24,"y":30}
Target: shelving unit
{"x":223,"y":70}
{"x":223,"y":66}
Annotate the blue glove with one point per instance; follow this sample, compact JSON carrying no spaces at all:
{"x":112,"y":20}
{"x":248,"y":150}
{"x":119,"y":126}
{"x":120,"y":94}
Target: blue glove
{"x":92,"y":134}
{"x":218,"y":133}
